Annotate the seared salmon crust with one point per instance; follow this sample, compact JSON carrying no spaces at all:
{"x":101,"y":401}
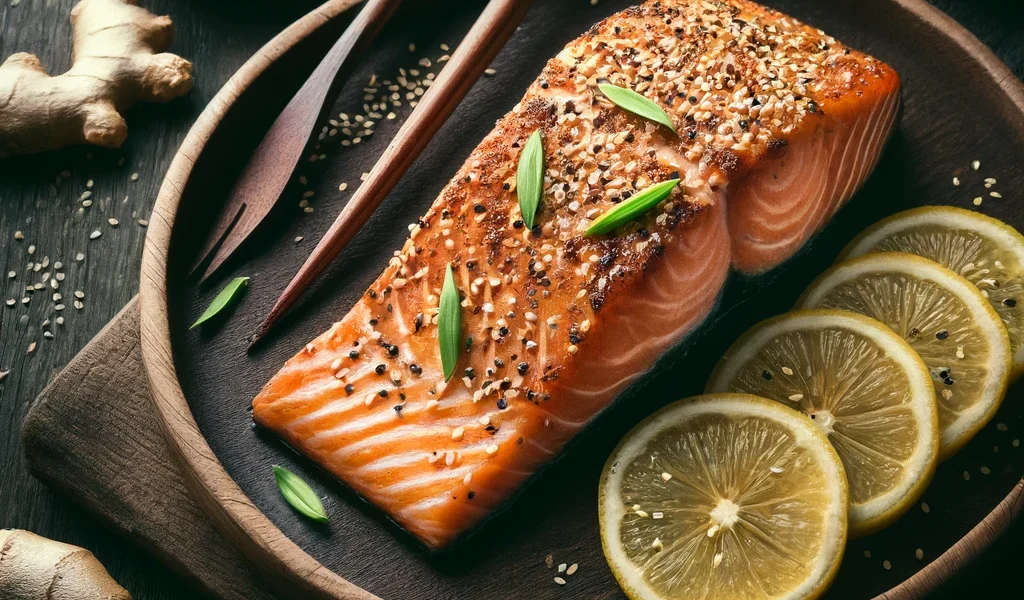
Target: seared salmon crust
{"x":776,"y":126}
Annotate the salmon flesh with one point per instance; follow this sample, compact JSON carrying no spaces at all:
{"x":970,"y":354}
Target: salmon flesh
{"x":776,"y":126}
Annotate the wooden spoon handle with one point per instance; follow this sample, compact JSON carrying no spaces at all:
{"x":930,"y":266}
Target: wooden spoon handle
{"x":483,"y":42}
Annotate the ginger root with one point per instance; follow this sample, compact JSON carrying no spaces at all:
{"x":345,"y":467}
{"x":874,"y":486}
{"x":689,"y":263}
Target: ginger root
{"x":117,"y":59}
{"x":35,"y":568}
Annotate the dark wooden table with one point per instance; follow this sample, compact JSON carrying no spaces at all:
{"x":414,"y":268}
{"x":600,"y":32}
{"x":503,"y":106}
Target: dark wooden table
{"x":41,"y":197}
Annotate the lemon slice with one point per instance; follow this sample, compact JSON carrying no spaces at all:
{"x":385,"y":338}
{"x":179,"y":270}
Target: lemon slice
{"x":985,"y":251}
{"x":724,"y":496}
{"x":865,"y":387}
{"x":943,"y":317}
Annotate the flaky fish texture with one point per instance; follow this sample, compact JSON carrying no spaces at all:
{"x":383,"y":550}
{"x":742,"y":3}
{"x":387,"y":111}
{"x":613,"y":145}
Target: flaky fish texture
{"x":776,"y":126}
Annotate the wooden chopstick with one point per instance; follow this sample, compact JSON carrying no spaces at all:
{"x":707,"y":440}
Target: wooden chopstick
{"x":483,"y":42}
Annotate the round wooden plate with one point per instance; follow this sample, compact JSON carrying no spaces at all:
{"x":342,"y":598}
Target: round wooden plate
{"x":961,"y":105}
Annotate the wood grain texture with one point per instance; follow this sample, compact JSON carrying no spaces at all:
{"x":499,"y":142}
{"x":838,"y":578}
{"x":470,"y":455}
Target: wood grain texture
{"x":96,"y":421}
{"x":206,"y":428}
{"x":219,"y":39}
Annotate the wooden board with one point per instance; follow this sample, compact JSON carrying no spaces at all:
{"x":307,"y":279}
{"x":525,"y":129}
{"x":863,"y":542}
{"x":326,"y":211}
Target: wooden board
{"x":961,"y":105}
{"x":93,"y":434}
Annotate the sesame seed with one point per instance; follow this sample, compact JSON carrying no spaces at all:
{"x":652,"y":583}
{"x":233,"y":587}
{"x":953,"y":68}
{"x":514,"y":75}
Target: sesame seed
{"x":887,"y":565}
{"x":919,"y":553}
{"x":796,"y":397}
{"x":559,"y":581}
{"x":572,"y":569}
{"x":985,"y":470}
{"x":956,"y":181}
{"x":95,"y":234}
{"x":787,"y":370}
{"x":135,"y":177}
{"x":1001,"y":426}
{"x":925,"y":508}
{"x":975,"y":165}
{"x":995,"y":194}
{"x":967,"y":476}
{"x":666,"y":476}
{"x":457,"y":433}
{"x":977,"y":201}
{"x":562,"y":567}
{"x":716,"y":561}
{"x":867,"y":554}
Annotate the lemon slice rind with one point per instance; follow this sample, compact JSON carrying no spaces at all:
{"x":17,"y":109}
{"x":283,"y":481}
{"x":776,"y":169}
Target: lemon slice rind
{"x":970,"y":421}
{"x":955,"y":219}
{"x":883,"y":509}
{"x":611,"y":508}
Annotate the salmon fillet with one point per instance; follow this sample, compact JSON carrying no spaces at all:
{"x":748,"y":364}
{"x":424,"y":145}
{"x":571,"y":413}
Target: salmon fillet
{"x":776,"y":125}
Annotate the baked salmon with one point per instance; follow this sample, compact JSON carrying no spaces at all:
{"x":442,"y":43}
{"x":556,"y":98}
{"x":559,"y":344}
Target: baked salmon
{"x":776,"y":125}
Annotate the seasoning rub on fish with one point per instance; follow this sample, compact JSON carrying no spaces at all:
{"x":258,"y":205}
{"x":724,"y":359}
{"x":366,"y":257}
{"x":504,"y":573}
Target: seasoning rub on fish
{"x":776,"y":126}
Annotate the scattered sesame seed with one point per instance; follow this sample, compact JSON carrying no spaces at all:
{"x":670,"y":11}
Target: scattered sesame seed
{"x":995,"y":194}
{"x":559,"y":581}
{"x":490,"y":72}
{"x":572,"y":569}
{"x":666,"y":476}
{"x":867,"y":554}
{"x":796,"y":397}
{"x":787,"y":370}
{"x":985,"y":470}
{"x":887,"y":565}
{"x":562,"y":567}
{"x":113,"y":222}
{"x":95,"y":234}
{"x":975,"y":165}
{"x":977,"y":201}
{"x":925,"y":508}
{"x":967,"y":476}
{"x":31,"y":348}
{"x":19,"y":235}
{"x":956,"y":181}
{"x":919,"y":553}
{"x":1001,"y":426}
{"x":135,"y":177}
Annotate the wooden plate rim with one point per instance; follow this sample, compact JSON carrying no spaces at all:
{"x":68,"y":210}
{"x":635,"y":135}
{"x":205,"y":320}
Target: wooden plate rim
{"x":290,"y":569}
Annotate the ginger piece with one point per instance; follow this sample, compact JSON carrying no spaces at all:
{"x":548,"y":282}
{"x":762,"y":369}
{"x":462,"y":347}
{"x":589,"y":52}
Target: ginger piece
{"x":35,"y":568}
{"x":117,"y":59}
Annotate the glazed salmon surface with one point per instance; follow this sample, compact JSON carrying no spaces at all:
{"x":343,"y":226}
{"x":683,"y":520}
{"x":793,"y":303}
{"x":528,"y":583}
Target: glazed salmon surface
{"x":776,"y":125}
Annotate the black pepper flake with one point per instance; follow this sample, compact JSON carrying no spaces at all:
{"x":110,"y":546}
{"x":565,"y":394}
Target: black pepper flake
{"x":391,"y":348}
{"x":812,"y":106}
{"x":691,"y":134}
{"x":502,"y":404}
{"x":517,"y":224}
{"x":383,"y":393}
{"x":471,"y":494}
{"x":373,"y":322}
{"x":522,"y":368}
{"x":469,"y":343}
{"x":418,"y":322}
{"x":379,"y":369}
{"x":1010,"y":302}
{"x":499,"y":363}
{"x":506,"y":187}
{"x":349,"y":389}
{"x":767,"y":375}
{"x":398,"y":408}
{"x":416,"y":369}
{"x":353,"y":354}
{"x":941,"y":335}
{"x":479,"y":208}
{"x":372,"y":294}
{"x":504,"y":330}
{"x":470,"y":373}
